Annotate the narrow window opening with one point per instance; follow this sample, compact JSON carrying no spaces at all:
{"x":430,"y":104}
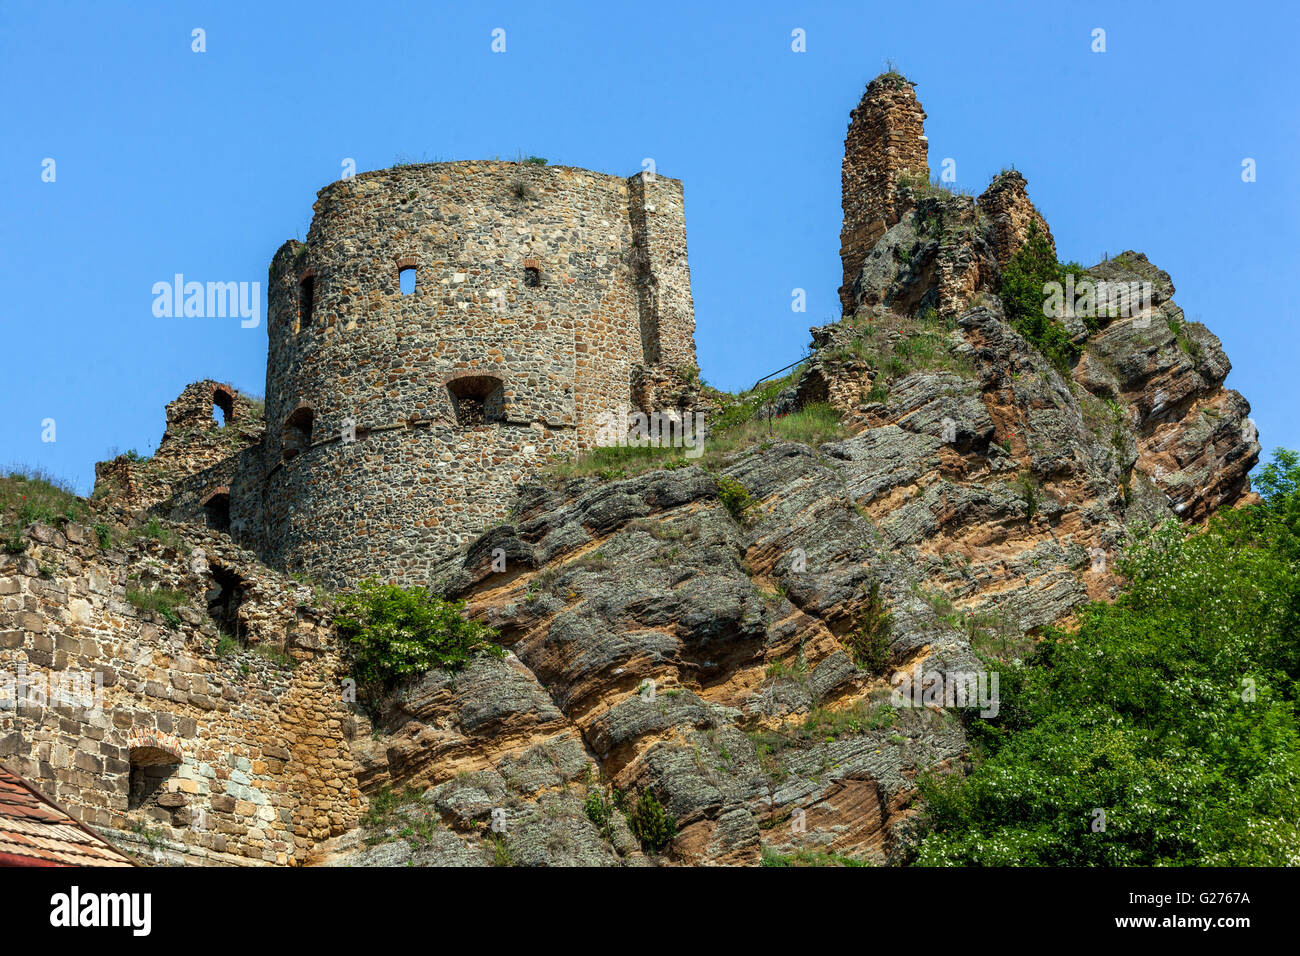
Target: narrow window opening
{"x":306,"y":300}
{"x":532,"y":277}
{"x":297,"y":432}
{"x":225,"y":599}
{"x":406,"y":280}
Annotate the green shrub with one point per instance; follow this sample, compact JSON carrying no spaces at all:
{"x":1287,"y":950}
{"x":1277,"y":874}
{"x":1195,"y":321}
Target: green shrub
{"x":651,"y":824}
{"x":1028,"y":488}
{"x":1023,"y":278}
{"x":395,"y":632}
{"x":868,"y":642}
{"x":598,"y":808}
{"x":735,"y":497}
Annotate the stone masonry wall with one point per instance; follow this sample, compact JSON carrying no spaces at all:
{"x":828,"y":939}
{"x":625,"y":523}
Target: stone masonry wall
{"x":201,"y":752}
{"x":886,"y":138}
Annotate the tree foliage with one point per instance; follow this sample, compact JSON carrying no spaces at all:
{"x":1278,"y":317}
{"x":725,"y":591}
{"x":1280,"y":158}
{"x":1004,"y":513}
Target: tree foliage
{"x":1164,"y":730}
{"x":1023,"y":296}
{"x":396,"y":632}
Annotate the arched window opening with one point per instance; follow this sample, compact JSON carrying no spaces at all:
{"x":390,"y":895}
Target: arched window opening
{"x":297,"y":432}
{"x":477,"y":399}
{"x":154,"y":758}
{"x":406,"y":280}
{"x":532,"y":273}
{"x":223,"y":402}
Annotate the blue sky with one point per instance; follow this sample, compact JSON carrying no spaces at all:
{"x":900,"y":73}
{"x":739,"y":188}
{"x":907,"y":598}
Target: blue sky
{"x":173,"y":161}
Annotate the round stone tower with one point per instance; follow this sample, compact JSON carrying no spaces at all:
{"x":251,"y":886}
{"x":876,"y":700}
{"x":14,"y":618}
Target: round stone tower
{"x":444,"y":329}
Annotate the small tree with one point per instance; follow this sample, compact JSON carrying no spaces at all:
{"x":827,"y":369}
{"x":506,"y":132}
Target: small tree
{"x":650,"y":823}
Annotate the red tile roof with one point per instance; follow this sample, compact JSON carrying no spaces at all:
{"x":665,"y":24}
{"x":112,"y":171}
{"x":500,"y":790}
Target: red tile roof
{"x":35,"y":831}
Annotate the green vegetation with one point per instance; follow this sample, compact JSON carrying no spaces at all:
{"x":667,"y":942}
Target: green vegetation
{"x":651,"y":824}
{"x":1027,"y":487}
{"x":1023,"y":297}
{"x":160,"y":601}
{"x":922,"y":344}
{"x":384,"y":804}
{"x":1164,"y":730}
{"x":157,"y":531}
{"x":1185,"y":342}
{"x":892,"y":76}
{"x":735,"y":497}
{"x":599,"y":808}
{"x":30,"y":494}
{"x":809,"y":858}
{"x":744,"y":423}
{"x":395,"y":632}
{"x":868,"y":642}
{"x":821,"y":725}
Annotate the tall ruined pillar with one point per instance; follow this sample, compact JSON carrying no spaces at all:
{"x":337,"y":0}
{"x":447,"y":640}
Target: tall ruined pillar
{"x":886,"y":138}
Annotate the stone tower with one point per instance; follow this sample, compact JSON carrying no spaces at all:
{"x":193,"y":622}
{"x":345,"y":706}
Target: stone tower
{"x":886,"y":138}
{"x":398,"y":424}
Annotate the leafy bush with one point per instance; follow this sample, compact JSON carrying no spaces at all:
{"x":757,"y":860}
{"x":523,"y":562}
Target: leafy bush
{"x":600,"y":808}
{"x":736,"y":498}
{"x":395,"y":632}
{"x":1164,"y":731}
{"x":650,"y":823}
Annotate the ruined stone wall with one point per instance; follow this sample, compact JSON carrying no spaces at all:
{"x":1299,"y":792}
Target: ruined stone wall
{"x":193,"y":442}
{"x":656,"y":209}
{"x":528,"y":316}
{"x":886,"y":138}
{"x":1006,"y":207}
{"x":198,"y":751}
